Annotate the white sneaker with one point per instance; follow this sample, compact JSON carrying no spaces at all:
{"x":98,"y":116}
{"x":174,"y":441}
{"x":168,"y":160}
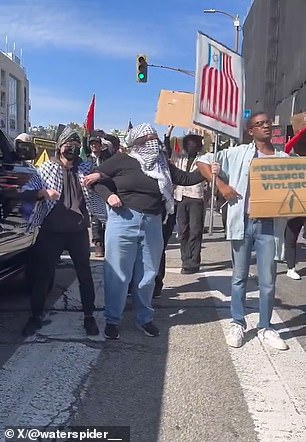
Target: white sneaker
{"x":272,"y":338}
{"x":235,"y":335}
{"x":293,"y":274}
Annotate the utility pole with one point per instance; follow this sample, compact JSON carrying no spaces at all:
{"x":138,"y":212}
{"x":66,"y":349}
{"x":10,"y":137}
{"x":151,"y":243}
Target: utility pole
{"x":182,"y":71}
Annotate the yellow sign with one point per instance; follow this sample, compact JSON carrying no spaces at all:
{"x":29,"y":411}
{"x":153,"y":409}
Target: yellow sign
{"x":42,"y":159}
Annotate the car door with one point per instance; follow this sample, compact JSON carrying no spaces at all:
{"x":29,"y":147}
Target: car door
{"x":13,"y":175}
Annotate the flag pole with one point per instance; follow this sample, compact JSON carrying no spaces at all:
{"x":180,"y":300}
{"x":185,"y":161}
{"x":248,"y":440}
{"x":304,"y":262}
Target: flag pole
{"x":213,"y":187}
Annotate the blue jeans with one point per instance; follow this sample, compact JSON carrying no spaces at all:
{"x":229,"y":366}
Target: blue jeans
{"x":133,"y":248}
{"x":258,"y":233}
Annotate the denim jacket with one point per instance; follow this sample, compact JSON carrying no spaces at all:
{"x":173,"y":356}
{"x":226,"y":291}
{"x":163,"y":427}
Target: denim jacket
{"x":235,"y":165}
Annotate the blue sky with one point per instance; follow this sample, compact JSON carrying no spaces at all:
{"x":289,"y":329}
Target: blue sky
{"x":74,"y":48}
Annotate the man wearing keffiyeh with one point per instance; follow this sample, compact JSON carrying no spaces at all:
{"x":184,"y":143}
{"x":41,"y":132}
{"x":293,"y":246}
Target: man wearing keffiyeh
{"x":138,"y":193}
{"x":62,"y":210}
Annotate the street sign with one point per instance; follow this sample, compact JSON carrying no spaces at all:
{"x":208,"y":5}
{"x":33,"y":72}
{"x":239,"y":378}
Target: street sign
{"x":42,"y":159}
{"x":43,"y":143}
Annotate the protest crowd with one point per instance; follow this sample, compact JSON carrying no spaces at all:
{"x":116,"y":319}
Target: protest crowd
{"x":131,"y":197}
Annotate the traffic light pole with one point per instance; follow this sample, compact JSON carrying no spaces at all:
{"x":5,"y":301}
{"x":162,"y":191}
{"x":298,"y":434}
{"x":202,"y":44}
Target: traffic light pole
{"x":182,"y":71}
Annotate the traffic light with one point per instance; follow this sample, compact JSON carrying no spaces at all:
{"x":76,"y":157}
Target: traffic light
{"x":141,"y":69}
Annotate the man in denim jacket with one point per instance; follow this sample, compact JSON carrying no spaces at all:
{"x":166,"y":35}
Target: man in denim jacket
{"x":266,"y":233}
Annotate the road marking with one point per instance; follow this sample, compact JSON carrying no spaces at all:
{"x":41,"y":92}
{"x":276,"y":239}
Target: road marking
{"x":42,"y":382}
{"x":39,"y":384}
{"x":273,"y":382}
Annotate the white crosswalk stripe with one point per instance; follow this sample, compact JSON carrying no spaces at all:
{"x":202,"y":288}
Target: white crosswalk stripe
{"x":273,"y":382}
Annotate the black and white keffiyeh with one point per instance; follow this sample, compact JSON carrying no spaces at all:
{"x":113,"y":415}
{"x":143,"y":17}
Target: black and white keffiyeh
{"x":50,"y":176}
{"x":152,"y":160}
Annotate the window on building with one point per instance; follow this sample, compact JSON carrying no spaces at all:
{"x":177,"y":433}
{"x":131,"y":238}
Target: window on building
{"x":12,"y":124}
{"x":12,"y":102}
{"x":3,"y":78}
{"x":2,"y":99}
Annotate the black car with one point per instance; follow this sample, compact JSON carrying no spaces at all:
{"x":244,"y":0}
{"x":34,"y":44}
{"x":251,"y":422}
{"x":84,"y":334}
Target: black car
{"x":15,"y":171}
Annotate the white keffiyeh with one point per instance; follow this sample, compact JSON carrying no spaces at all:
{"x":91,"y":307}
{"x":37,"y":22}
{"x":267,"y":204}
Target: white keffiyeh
{"x":152,"y":160}
{"x":50,"y":176}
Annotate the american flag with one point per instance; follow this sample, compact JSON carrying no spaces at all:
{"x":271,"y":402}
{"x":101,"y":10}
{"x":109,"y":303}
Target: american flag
{"x":219,"y":97}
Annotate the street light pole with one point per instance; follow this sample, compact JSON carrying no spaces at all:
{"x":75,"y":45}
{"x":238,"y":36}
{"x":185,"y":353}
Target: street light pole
{"x":236,"y":23}
{"x":237,"y":29}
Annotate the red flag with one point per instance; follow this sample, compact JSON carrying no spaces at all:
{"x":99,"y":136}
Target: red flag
{"x":177,"y":148}
{"x":89,"y":123}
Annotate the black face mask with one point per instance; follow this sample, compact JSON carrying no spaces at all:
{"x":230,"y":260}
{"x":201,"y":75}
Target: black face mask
{"x":72,"y":153}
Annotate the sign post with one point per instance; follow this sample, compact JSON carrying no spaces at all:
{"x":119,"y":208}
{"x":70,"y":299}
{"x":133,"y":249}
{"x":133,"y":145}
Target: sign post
{"x":219,"y":93}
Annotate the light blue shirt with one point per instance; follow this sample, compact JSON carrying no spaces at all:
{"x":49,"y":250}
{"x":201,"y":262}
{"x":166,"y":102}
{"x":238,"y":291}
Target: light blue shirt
{"x":235,"y":166}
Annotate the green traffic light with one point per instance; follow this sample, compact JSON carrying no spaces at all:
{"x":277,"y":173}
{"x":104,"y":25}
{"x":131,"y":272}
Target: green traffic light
{"x":141,"y":76}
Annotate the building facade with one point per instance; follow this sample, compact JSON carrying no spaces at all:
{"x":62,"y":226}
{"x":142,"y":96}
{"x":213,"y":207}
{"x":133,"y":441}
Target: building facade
{"x":274,"y":36}
{"x":14,"y":95}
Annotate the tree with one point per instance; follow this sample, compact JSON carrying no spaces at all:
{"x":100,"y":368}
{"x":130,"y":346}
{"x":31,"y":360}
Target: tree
{"x":76,"y":126}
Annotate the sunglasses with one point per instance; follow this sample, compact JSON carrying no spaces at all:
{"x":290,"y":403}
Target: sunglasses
{"x":262,"y":123}
{"x":69,"y":145}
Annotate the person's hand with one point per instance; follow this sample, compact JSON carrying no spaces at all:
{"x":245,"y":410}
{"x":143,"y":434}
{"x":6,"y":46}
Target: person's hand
{"x":215,"y":168}
{"x":229,"y":193}
{"x":49,"y":194}
{"x":91,"y":179}
{"x":169,"y":130}
{"x":114,"y":200}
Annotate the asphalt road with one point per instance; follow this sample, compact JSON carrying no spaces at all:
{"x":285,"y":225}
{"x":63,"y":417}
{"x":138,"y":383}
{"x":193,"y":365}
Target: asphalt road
{"x":186,"y":385}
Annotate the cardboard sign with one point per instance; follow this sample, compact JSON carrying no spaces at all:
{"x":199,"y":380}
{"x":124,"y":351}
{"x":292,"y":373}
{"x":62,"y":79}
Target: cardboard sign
{"x":277,"y":187}
{"x":298,"y":122}
{"x":174,"y":108}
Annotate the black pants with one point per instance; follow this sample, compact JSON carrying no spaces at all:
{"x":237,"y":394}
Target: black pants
{"x":293,"y":229}
{"x":45,"y":254}
{"x":97,"y":231}
{"x":190,"y":222}
{"x":167,"y":232}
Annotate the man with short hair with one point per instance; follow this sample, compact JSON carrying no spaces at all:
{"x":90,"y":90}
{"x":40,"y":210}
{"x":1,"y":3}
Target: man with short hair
{"x":265,"y":233}
{"x":190,"y":206}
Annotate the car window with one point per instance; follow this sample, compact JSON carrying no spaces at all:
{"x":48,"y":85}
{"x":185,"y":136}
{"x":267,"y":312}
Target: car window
{"x":6,"y":148}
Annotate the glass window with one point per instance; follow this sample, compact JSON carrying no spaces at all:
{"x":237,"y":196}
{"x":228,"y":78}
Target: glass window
{"x":12,"y":103}
{"x":2,"y":100}
{"x":3,"y":78}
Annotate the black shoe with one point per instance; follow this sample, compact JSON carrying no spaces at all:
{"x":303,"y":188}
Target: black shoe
{"x":111,"y":331}
{"x":149,"y":329}
{"x":34,"y":323}
{"x":90,"y":326}
{"x":189,"y":270}
{"x":157,"y":292}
